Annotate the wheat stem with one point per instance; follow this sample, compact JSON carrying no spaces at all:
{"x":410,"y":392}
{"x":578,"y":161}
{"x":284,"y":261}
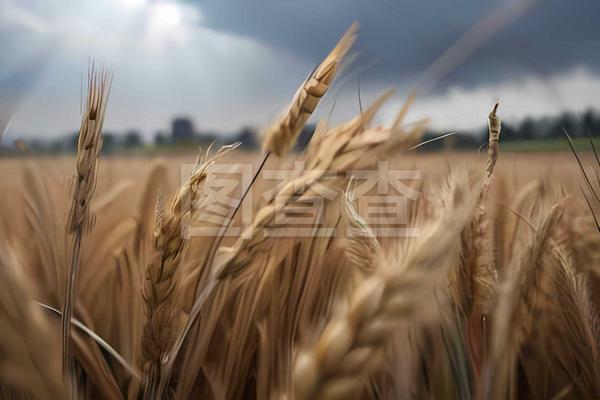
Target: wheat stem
{"x":80,"y":218}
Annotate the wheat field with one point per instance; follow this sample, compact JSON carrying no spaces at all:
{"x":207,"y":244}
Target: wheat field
{"x":108,"y":291}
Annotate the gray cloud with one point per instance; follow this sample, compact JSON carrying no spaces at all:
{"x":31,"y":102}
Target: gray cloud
{"x":404,"y":37}
{"x":228,"y":63}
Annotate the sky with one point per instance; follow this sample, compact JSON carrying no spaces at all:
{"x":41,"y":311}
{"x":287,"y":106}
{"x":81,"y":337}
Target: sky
{"x":233,"y":63}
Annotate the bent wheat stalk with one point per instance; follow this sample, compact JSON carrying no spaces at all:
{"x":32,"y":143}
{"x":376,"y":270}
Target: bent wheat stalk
{"x":348,"y":146}
{"x":96,"y":338}
{"x":342,"y":148}
{"x":280,"y":138}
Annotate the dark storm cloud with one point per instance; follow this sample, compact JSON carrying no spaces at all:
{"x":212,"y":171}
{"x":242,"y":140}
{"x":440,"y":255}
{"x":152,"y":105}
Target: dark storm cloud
{"x":404,"y":37}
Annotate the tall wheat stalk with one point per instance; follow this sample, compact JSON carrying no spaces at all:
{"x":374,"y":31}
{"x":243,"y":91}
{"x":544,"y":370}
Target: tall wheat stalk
{"x":80,"y":219}
{"x":279,"y":139}
{"x":522,"y":299}
{"x":161,"y":290}
{"x":472,"y":279}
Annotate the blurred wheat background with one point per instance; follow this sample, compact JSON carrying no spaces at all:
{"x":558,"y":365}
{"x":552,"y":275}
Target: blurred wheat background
{"x":104,"y":295}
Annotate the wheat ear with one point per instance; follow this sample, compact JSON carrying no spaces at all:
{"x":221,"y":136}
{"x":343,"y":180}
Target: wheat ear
{"x":80,"y":219}
{"x":341,"y":148}
{"x":574,"y":317}
{"x":494,"y":125}
{"x":333,"y":367}
{"x":349,"y":146}
{"x":521,"y":299}
{"x":281,"y":136}
{"x":477,"y":270}
{"x":161,"y":286}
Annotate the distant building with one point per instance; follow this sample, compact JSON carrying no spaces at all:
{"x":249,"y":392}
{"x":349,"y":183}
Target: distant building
{"x":109,"y":142}
{"x":182,"y":130}
{"x":132,"y":140}
{"x":160,"y":138}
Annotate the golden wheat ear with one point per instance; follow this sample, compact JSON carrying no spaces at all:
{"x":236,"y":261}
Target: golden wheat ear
{"x":475,"y":281}
{"x":161,"y":289}
{"x":494,"y":125}
{"x":281,"y":136}
{"x":80,"y":219}
{"x":574,"y":317}
{"x":523,"y":296}
{"x":338,"y":364}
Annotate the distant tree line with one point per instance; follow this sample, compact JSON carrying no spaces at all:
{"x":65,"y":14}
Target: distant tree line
{"x":577,"y":125}
{"x":183,"y":133}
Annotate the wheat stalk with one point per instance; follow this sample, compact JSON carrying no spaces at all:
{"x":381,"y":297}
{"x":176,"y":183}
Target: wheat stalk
{"x":80,"y":219}
{"x":281,"y":136}
{"x":161,"y":287}
{"x":573,"y":318}
{"x":346,"y":147}
{"x":473,"y":278}
{"x":521,"y":299}
{"x":332,"y":368}
{"x":473,"y":288}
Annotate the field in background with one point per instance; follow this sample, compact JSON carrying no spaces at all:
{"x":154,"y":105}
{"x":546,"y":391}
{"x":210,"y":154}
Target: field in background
{"x":131,"y":171}
{"x":560,"y":164}
{"x":549,"y":145}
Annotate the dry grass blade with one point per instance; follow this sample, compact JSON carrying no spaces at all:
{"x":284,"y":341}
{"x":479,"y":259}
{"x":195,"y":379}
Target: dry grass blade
{"x":593,"y":200}
{"x":96,"y":338}
{"x":80,"y":218}
{"x":282,"y":135}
